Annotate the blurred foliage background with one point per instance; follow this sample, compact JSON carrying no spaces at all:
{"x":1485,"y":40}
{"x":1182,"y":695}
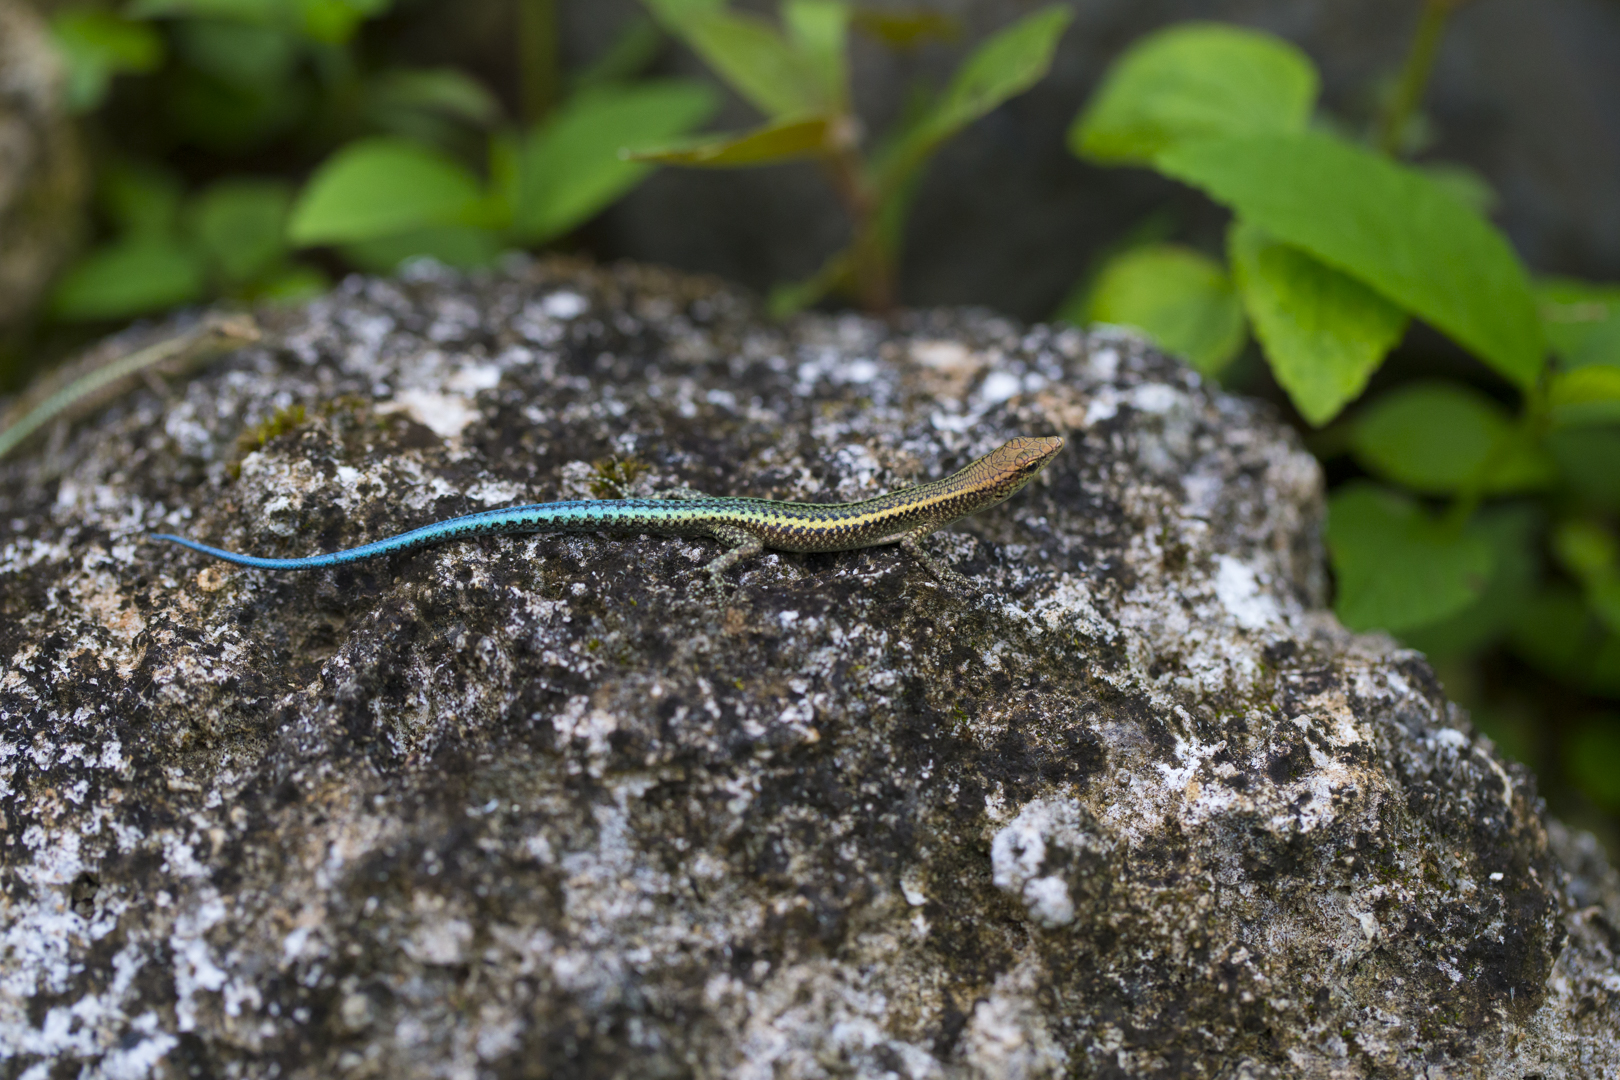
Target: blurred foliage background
{"x":1466,"y":406}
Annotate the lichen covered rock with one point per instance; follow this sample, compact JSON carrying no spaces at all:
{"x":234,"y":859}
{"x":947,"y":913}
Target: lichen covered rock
{"x":1129,"y":804}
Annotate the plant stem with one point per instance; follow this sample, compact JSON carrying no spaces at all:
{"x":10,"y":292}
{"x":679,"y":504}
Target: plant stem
{"x":873,"y":263}
{"x":537,"y":57}
{"x":1415,"y":74}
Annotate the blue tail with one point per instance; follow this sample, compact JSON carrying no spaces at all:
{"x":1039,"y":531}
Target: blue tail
{"x":310,"y":562}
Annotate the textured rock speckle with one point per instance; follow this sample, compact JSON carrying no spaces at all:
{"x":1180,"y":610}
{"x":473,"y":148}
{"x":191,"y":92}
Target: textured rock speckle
{"x":1131,"y":804}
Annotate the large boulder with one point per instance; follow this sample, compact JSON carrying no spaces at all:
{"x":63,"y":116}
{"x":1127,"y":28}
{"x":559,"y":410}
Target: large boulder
{"x":1128,"y":803}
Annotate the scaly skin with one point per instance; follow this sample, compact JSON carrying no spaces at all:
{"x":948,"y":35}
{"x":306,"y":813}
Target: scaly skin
{"x":73,"y":394}
{"x":747,"y":526}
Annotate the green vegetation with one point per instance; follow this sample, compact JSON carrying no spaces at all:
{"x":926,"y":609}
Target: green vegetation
{"x":1485,"y":523}
{"x":798,"y":76}
{"x":1478,"y":520}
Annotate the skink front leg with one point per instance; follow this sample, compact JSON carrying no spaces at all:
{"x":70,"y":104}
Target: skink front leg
{"x":743,"y":545}
{"x":912,"y":545}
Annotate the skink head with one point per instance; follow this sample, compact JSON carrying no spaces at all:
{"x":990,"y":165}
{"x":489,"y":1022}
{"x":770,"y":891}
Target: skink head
{"x":1018,"y":460}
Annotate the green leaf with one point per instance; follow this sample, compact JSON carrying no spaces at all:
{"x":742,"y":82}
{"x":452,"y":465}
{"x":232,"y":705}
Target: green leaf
{"x":1589,"y":460}
{"x":1397,"y":568}
{"x":140,"y":199}
{"x":1381,"y":223}
{"x":1559,"y":634}
{"x":903,"y":31}
{"x":1586,"y":549}
{"x":570,"y":168}
{"x":95,"y":46}
{"x":1581,"y":320}
{"x":1439,"y":437}
{"x":331,"y":22}
{"x":1511,"y":533}
{"x":1591,"y":555}
{"x":1592,"y":759}
{"x":381,"y":187}
{"x":1195,"y":80}
{"x":465,"y":247}
{"x":749,"y":55}
{"x":242,"y":226}
{"x":135,"y":277}
{"x":1324,"y":333}
{"x":335,"y":21}
{"x":292,"y":284}
{"x":259,"y":11}
{"x":1180,"y":298}
{"x":785,"y":140}
{"x":819,"y":31}
{"x":1008,"y":63}
{"x":1586,"y":395}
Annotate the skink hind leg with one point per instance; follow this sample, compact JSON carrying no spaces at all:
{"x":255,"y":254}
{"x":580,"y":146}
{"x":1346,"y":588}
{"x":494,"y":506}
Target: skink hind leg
{"x":911,"y":543}
{"x":743,"y":545}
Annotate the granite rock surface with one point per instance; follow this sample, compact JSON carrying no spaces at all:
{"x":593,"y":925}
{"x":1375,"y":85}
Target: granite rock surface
{"x":1130,"y":803}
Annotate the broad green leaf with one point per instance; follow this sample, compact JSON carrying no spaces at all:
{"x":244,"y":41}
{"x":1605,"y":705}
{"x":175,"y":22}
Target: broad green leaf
{"x":1586,"y":395}
{"x":903,"y":31}
{"x":750,"y":55}
{"x":785,"y":140}
{"x":1589,"y":461}
{"x":1511,"y":532}
{"x":135,"y":277}
{"x":1195,"y":80}
{"x":382,"y":187}
{"x":95,"y":46}
{"x":1324,"y":333}
{"x":140,"y":199}
{"x":819,"y":31}
{"x":1008,"y":63}
{"x":1581,"y":320}
{"x":1180,"y":298}
{"x":242,"y":225}
{"x":1440,"y":437}
{"x":1384,"y":224}
{"x":1592,"y":759}
{"x":1397,"y":568}
{"x":465,"y":247}
{"x":571,"y":168}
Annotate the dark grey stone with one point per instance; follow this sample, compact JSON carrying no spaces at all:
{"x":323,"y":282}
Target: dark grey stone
{"x":1128,"y":804}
